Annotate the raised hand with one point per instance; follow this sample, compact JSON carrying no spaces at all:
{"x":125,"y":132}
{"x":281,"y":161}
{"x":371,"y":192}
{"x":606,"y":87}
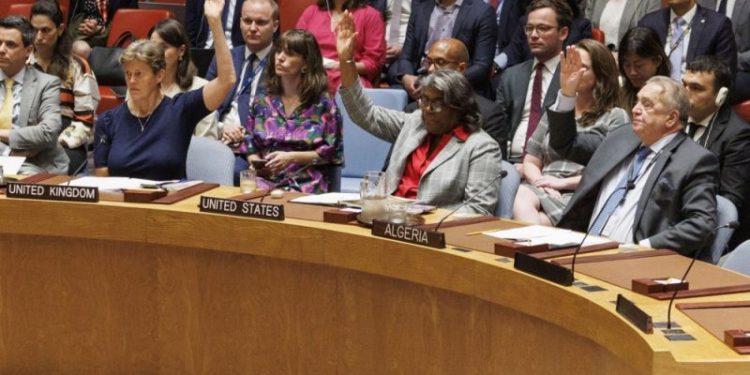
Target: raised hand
{"x":571,"y":70}
{"x":213,"y":9}
{"x":346,"y":40}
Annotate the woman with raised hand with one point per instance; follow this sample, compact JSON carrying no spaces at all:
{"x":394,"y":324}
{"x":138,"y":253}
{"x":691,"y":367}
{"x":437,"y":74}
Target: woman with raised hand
{"x":180,"y":72}
{"x":295,"y":126}
{"x":148,"y":135}
{"x":569,"y":132}
{"x":79,"y":93}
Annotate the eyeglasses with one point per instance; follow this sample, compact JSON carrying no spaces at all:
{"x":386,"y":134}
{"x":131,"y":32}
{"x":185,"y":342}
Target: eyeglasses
{"x":435,"y":106}
{"x":540,"y":29}
{"x":439,"y":63}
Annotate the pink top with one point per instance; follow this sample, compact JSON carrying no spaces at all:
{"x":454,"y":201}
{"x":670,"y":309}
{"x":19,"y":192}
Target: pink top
{"x":370,"y":51}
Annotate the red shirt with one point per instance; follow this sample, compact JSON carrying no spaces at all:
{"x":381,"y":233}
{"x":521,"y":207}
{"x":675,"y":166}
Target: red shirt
{"x":419,"y":160}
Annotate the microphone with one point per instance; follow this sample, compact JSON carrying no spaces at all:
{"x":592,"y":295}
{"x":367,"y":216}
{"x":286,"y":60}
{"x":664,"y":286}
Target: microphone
{"x":732,"y":225}
{"x":629,"y":186}
{"x":502,"y":174}
{"x":79,"y":169}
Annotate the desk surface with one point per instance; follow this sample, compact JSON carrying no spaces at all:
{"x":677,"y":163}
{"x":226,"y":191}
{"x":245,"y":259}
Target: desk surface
{"x":117,"y":287}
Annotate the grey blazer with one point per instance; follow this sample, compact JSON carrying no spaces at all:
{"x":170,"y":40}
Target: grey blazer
{"x":461,"y":170}
{"x":634,"y":10}
{"x":741,"y":25}
{"x":677,"y":208}
{"x":39,"y":124}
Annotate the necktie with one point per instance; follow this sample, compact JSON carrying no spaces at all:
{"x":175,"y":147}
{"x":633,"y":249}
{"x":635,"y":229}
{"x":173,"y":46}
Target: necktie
{"x":692,"y":129}
{"x":676,"y":47}
{"x":245,"y":89}
{"x":535,"y":113}
{"x":394,"y":30}
{"x":723,"y":7}
{"x":6,"y":112}
{"x":617,"y":196}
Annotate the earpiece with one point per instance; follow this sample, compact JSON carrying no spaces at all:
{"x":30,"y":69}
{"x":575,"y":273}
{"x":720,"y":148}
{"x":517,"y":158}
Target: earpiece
{"x":721,"y":96}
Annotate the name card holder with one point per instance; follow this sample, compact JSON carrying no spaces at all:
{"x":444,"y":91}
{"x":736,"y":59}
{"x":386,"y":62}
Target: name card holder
{"x":634,"y":314}
{"x":338,"y":216}
{"x":738,"y":339}
{"x":52,"y":192}
{"x":242,"y":208}
{"x":541,"y":268}
{"x":410,"y":234}
{"x":657,"y":285}
{"x":508,"y":248}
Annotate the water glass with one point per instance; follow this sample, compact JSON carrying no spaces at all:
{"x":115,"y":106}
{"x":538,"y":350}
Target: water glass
{"x":247,"y":181}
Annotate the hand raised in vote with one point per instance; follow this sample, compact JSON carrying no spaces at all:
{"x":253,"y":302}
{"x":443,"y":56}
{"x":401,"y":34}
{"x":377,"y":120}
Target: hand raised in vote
{"x":346,"y":37}
{"x":213,"y":9}
{"x":571,"y":71}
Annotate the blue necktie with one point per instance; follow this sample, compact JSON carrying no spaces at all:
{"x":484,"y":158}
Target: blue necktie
{"x":243,"y":99}
{"x":723,"y":7}
{"x":617,"y":196}
{"x":675,"y":55}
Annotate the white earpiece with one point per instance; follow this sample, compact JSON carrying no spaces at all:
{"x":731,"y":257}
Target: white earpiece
{"x":721,"y":96}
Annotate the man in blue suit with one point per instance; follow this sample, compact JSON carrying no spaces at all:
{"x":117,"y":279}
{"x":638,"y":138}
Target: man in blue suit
{"x":689,"y":30}
{"x":197,"y":27}
{"x":259,"y":21}
{"x":470,"y":21}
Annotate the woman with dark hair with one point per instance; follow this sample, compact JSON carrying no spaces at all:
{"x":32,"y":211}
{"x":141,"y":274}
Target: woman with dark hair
{"x":589,"y":86}
{"x":641,"y":56}
{"x":321,"y":19}
{"x":148,"y":135}
{"x":180,"y":72}
{"x":295,"y":126}
{"x":440,"y":155}
{"x":79,"y":93}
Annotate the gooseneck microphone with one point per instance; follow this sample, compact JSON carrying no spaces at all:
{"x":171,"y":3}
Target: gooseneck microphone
{"x":79,"y":169}
{"x":502,"y":174}
{"x":731,"y":224}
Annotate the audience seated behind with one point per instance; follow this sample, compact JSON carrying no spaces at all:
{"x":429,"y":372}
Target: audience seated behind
{"x":589,"y":86}
{"x":705,"y":31}
{"x":615,"y":18}
{"x":397,"y":20}
{"x":740,"y":16}
{"x":369,"y":57}
{"x":79,"y":93}
{"x":89,"y":24}
{"x":180,"y":73}
{"x":641,"y":56}
{"x":197,"y":28}
{"x":295,"y":126}
{"x":28,"y":127}
{"x":648,"y":183}
{"x":148,"y":135}
{"x":463,"y":159}
{"x":522,"y":87}
{"x":473,"y":23}
{"x":518,"y":49}
{"x":259,"y":22}
{"x":714,"y":125}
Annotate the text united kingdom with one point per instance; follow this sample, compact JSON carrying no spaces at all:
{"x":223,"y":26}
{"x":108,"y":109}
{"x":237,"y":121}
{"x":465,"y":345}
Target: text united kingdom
{"x":52,"y":192}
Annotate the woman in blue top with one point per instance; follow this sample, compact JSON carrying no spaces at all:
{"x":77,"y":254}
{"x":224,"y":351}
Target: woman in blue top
{"x":148,"y":135}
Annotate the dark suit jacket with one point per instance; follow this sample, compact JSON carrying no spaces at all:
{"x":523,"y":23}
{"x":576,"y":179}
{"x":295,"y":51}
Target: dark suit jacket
{"x":475,"y":27}
{"x":197,"y":26}
{"x":238,"y":58}
{"x":518,"y":49}
{"x":491,"y":123}
{"x":511,"y":96}
{"x":710,"y":34}
{"x":677,"y":209}
{"x":741,"y":24}
{"x":510,"y":19}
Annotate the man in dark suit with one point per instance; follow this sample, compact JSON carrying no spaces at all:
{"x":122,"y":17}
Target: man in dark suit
{"x":29,"y":103}
{"x":259,"y":21}
{"x":452,"y":54}
{"x":740,"y":16}
{"x":689,"y":30}
{"x":472,"y":22}
{"x":522,"y":87}
{"x":714,"y":125}
{"x":648,"y":183}
{"x":197,"y":27}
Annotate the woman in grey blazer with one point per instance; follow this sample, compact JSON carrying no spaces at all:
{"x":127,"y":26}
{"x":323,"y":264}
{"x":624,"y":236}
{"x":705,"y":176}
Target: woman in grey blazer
{"x":441,"y":156}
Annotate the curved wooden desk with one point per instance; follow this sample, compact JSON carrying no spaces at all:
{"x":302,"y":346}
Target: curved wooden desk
{"x":128,"y":288}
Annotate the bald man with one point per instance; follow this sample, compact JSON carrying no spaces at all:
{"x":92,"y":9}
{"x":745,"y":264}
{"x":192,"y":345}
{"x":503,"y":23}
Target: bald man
{"x":452,"y":54}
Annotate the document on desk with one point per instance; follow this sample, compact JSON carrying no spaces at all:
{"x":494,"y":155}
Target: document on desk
{"x":326,"y":199}
{"x":540,"y":234}
{"x":114,"y":183}
{"x":11,"y":164}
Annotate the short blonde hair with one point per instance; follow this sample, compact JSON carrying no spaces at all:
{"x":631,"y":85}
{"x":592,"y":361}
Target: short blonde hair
{"x":146,"y":51}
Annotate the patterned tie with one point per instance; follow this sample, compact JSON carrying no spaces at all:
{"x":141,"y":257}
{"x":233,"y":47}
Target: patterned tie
{"x":616,"y":198}
{"x":243,"y":100}
{"x":535,"y":113}
{"x":676,"y":47}
{"x":394,"y":30}
{"x":6,"y":112}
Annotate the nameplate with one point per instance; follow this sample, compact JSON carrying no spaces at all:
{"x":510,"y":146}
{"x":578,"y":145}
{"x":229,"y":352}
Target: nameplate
{"x":634,"y":314}
{"x":242,"y":208}
{"x":52,"y":192}
{"x":408,"y":234}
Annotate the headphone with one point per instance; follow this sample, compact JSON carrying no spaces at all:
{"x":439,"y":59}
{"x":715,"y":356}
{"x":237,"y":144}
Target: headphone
{"x":721,"y":96}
